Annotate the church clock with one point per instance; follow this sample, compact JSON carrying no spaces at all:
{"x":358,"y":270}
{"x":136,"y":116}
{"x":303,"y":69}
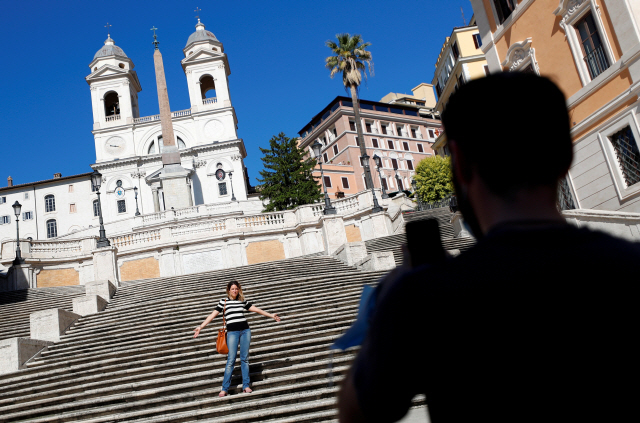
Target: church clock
{"x":115,"y":146}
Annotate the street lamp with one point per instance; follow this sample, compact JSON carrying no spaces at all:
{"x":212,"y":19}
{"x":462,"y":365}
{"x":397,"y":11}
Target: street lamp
{"x":328,"y":208}
{"x":16,"y":210}
{"x":233,"y":196}
{"x":378,"y":162}
{"x":135,"y":192}
{"x":365,"y":163}
{"x":96,"y":180}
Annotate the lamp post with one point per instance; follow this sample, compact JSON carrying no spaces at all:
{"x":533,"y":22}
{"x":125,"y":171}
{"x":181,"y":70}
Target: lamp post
{"x":365,"y":163}
{"x":135,"y":192}
{"x":378,"y":162}
{"x":16,"y":210}
{"x":414,"y":184}
{"x":96,"y":180}
{"x":233,"y":196}
{"x":328,"y":208}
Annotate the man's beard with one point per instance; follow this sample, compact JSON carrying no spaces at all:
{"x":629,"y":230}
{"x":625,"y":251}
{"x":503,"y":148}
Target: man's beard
{"x":464,"y":205}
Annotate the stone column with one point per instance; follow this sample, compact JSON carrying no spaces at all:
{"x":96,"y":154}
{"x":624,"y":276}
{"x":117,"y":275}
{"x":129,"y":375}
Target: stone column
{"x":169,"y":155}
{"x":333,"y":233}
{"x":104,"y":265}
{"x":156,"y":200}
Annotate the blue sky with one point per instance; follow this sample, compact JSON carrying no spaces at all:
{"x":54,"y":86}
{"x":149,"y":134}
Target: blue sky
{"x":276,"y":53}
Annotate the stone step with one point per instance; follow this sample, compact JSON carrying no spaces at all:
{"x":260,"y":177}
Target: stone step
{"x":160,"y":390}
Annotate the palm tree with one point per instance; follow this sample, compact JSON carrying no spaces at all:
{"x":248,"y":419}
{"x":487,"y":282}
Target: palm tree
{"x":352,"y":60}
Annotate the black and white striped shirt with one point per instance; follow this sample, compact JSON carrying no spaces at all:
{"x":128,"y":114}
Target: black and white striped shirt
{"x":234,"y":314}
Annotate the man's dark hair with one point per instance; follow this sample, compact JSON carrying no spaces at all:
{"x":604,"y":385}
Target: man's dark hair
{"x":513,"y":128}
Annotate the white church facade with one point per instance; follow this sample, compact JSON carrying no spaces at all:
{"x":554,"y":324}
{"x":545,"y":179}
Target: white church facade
{"x":129,"y":150}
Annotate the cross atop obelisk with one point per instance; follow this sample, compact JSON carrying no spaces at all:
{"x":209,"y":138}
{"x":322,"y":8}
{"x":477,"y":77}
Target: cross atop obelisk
{"x":170,"y":153}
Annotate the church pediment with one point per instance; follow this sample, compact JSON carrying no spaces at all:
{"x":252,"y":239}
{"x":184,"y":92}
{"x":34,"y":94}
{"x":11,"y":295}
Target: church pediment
{"x":106,"y":71}
{"x":202,"y":55}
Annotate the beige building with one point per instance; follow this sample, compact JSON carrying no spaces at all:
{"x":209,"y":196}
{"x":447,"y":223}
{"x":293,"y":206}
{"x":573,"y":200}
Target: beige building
{"x":591,"y":49}
{"x":397,"y":132}
{"x":461,"y":60}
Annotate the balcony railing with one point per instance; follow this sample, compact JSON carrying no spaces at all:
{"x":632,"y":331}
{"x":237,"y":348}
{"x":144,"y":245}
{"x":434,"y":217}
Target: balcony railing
{"x":179,"y":113}
{"x":209,"y":100}
{"x":112,"y":118}
{"x":597,"y":62}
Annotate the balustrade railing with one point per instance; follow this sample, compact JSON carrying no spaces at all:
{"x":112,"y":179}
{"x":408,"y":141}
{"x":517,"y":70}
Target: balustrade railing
{"x":112,"y":118}
{"x":135,"y":238}
{"x":55,"y":247}
{"x":179,"y":113}
{"x":198,"y":227}
{"x":270,"y":219}
{"x":347,"y":205}
{"x":597,"y":62}
{"x":211,"y":100}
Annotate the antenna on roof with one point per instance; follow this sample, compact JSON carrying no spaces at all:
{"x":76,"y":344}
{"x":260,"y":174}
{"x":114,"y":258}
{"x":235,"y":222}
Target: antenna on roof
{"x":464,"y":22}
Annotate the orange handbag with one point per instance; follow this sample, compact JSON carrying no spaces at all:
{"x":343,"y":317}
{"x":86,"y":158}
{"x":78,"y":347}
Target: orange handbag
{"x":221,"y":341}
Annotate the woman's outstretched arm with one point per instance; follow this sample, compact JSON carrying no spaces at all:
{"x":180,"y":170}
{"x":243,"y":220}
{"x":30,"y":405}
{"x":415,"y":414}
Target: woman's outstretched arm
{"x":264,"y":313}
{"x":205,"y":323}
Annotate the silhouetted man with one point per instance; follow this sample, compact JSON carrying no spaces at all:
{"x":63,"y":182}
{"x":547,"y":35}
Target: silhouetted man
{"x":535,"y":322}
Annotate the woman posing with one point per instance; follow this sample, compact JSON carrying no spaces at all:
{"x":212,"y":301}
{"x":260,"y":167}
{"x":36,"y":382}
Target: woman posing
{"x":238,"y":332}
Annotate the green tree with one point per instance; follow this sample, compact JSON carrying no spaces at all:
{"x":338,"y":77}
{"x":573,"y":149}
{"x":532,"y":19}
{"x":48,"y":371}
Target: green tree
{"x":352,"y":60}
{"x":287,"y":179}
{"x":433,"y":177}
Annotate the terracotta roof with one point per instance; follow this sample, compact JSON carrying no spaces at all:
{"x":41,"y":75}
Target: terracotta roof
{"x":80,"y":175}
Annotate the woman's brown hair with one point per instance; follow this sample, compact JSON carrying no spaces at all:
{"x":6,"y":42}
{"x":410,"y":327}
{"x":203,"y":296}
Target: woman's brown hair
{"x":240,"y":296}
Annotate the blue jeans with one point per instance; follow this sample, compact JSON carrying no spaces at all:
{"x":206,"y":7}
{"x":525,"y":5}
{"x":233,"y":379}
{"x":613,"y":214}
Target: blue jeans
{"x":243,"y":338}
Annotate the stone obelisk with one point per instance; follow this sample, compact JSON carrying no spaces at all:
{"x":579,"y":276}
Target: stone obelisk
{"x":174,"y":177}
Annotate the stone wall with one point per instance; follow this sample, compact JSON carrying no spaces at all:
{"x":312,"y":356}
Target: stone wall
{"x":58,"y":277}
{"x":140,"y":269}
{"x":259,"y":252}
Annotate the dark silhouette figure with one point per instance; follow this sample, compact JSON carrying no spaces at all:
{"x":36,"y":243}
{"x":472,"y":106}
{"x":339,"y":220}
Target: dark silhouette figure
{"x":535,"y":322}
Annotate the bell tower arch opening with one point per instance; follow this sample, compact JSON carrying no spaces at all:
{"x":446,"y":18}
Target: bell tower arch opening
{"x":111,"y":104}
{"x":207,"y":87}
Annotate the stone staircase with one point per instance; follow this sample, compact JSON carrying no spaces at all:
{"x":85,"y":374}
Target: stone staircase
{"x":137,"y":360}
{"x":442,"y":215}
{"x":16,"y":306}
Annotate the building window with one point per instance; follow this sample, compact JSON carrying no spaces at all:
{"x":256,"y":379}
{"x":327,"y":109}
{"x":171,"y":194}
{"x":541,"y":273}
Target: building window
{"x":222,"y":188}
{"x":357,"y":142}
{"x":52,"y":228}
{"x":71,"y":188}
{"x":400,"y":185}
{"x":400,"y":130}
{"x":390,"y":144}
{"x":374,"y":142}
{"x":49,"y":203}
{"x":345,"y":183}
{"x":504,"y":8}
{"x":352,"y":125}
{"x":122,"y":206}
{"x":327,"y":181}
{"x":72,"y":208}
{"x":455,"y":51}
{"x":27,"y":215}
{"x":420,"y":149}
{"x":96,"y":208}
{"x":384,"y":129}
{"x":410,"y":164}
{"x":431,"y":135}
{"x":565,"y":199}
{"x":477,"y":41}
{"x":626,"y":150}
{"x":592,"y":48}
{"x":384,"y":183}
{"x":5,"y":220}
{"x":326,"y":158}
{"x":335,"y":150}
{"x":414,"y":133}
{"x":394,"y":163}
{"x":405,"y":145}
{"x":3,"y":200}
{"x":26,"y":195}
{"x":367,"y":126}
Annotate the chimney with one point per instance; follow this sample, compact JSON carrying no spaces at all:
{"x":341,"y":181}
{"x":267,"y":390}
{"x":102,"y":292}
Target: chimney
{"x":9,"y":181}
{"x":57,"y":175}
